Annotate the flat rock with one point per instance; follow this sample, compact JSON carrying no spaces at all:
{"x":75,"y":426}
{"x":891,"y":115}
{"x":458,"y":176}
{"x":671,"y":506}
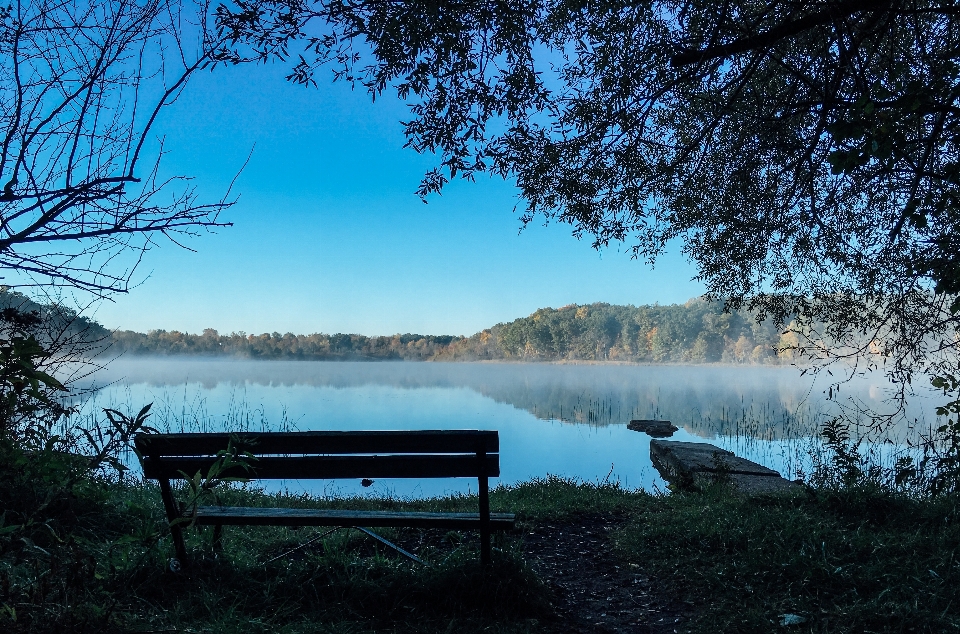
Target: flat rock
{"x":653,"y":428}
{"x":718,"y":463}
{"x":674,"y":459}
{"x":759,"y":485}
{"x":679,"y":445}
{"x":689,"y":465}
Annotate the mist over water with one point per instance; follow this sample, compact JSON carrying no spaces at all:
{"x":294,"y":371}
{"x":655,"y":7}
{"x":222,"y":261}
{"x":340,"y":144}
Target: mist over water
{"x":566,"y":420}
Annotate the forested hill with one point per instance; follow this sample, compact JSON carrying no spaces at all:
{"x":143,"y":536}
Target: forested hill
{"x":57,"y":325}
{"x":695,"y":332}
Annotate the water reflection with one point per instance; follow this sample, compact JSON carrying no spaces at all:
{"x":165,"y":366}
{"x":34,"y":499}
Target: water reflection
{"x":767,"y":402}
{"x":559,"y":419}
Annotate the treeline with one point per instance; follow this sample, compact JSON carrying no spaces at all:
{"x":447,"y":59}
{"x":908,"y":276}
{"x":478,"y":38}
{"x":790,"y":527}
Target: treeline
{"x":284,"y":346}
{"x":695,"y":332}
{"x":54,"y":324}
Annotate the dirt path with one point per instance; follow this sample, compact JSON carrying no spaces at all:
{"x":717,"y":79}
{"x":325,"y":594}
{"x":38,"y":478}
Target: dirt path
{"x":593,"y":591}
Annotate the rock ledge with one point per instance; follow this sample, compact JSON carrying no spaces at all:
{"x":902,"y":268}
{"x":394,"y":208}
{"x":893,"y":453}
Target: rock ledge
{"x":691,"y":465}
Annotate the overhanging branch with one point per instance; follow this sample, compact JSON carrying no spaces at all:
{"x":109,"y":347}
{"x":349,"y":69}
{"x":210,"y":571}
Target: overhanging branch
{"x":775,"y":34}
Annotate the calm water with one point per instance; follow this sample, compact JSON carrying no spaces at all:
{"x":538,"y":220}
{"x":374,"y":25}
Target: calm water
{"x":565,"y":420}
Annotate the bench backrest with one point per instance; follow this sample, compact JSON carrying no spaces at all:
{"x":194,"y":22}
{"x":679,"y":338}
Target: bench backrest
{"x":327,"y":454}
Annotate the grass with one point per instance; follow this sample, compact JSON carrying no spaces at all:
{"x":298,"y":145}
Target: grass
{"x":854,"y":560}
{"x":111,"y":573}
{"x":851,"y":560}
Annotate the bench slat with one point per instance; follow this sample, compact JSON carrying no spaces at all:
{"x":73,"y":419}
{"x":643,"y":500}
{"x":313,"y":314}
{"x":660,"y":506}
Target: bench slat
{"x":323,"y":442}
{"x":254,"y":516}
{"x":333,"y":467}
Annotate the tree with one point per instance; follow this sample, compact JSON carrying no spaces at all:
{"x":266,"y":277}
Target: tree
{"x":82,"y":197}
{"x":805,"y":153}
{"x":82,"y":84}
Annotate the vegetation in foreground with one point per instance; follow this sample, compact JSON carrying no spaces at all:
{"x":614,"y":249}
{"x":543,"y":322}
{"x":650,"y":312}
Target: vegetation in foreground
{"x":83,"y":549}
{"x":81,"y":554}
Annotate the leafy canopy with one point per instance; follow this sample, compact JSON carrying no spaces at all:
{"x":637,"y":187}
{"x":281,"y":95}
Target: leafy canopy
{"x":804,"y":153}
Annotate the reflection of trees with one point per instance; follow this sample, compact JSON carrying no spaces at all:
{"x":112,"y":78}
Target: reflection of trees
{"x":702,"y":407}
{"x":768,"y":403}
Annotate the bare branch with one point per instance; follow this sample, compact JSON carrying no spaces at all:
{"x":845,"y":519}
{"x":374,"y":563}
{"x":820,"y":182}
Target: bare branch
{"x":82,"y":85}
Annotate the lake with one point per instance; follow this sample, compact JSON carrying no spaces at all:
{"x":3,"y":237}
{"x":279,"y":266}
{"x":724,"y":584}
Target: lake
{"x":561,"y":420}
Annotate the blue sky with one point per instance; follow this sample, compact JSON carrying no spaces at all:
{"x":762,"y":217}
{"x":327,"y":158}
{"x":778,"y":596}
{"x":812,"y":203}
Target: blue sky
{"x":329,"y":236}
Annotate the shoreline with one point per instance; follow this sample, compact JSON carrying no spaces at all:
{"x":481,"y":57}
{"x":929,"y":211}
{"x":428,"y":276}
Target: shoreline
{"x":369,"y":360}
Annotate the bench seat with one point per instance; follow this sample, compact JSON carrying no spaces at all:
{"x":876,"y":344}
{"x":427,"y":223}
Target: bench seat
{"x":257,"y":516}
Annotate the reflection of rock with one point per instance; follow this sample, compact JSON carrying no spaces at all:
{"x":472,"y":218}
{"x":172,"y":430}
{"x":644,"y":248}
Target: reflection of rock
{"x":690,"y":465}
{"x":653,"y":428}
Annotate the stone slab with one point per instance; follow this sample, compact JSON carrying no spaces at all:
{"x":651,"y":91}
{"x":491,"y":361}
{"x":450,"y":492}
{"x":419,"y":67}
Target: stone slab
{"x":653,"y":428}
{"x":691,"y":458}
{"x":668,"y":456}
{"x":671,"y":458}
{"x":678,"y":445}
{"x":758,"y":485}
{"x":699,"y":462}
{"x":690,"y":465}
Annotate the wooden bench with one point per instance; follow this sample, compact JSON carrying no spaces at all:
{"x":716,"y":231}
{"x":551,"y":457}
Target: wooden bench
{"x":328,"y":455}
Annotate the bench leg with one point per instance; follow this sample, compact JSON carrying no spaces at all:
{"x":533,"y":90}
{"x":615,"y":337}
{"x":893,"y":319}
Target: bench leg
{"x":178,"y":544}
{"x":218,"y":537}
{"x":484,"y":521}
{"x":173,"y":513}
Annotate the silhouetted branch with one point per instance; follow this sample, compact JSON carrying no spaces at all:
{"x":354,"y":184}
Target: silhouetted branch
{"x":82,"y":85}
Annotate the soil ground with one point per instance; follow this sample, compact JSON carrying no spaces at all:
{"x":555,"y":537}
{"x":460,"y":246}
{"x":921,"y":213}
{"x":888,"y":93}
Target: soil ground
{"x":593,"y":590}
